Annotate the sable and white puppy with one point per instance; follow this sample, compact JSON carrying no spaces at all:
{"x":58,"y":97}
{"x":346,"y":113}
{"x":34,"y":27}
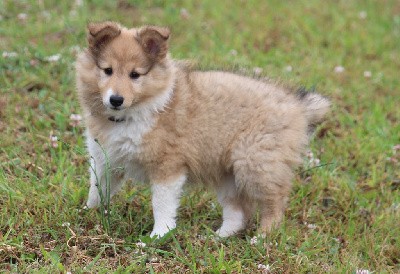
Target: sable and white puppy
{"x":164,"y":123}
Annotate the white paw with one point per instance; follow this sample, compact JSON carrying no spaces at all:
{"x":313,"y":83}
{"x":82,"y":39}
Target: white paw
{"x":160,"y":232}
{"x":223,"y":232}
{"x":93,"y":200}
{"x":230,"y":228}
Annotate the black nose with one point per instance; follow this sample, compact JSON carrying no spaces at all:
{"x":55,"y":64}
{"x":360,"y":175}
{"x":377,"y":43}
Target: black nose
{"x":116,"y":100}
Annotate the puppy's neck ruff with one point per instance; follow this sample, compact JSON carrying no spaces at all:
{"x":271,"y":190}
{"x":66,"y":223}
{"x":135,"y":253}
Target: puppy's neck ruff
{"x":148,"y":109}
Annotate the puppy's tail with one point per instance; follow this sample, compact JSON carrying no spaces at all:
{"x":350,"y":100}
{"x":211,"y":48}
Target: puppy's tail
{"x":316,"y":106}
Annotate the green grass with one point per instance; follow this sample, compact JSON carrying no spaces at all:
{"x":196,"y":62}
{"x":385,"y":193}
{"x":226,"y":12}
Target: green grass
{"x":342,"y":216}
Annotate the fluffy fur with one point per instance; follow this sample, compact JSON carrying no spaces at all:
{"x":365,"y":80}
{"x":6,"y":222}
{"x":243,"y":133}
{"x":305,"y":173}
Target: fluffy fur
{"x":241,"y":136}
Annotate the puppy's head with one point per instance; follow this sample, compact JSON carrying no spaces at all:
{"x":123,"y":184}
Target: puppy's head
{"x":123,"y":68}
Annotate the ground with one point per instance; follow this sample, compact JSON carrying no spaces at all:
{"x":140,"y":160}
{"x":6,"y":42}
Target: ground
{"x":344,"y":210}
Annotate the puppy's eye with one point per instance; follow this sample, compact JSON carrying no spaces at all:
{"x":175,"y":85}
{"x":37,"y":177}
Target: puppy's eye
{"x":108,"y":71}
{"x":134,"y":75}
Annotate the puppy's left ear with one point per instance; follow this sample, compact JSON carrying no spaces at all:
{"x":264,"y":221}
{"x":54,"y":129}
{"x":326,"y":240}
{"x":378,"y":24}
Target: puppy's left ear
{"x":154,"y":41}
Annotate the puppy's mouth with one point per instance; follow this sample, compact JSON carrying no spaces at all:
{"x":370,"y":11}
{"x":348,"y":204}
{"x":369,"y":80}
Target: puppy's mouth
{"x":116,"y":120}
{"x":115,"y":114}
{"x":116,"y":108}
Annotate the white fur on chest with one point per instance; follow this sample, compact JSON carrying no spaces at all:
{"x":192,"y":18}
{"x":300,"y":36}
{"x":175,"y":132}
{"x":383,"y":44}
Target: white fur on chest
{"x":121,"y":148}
{"x":125,"y":138}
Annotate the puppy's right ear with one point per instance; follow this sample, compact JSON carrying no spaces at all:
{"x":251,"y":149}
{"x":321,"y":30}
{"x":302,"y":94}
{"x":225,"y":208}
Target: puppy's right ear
{"x":99,"y":34}
{"x":154,"y":41}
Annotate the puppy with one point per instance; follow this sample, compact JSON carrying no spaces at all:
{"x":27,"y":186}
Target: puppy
{"x":154,"y":119}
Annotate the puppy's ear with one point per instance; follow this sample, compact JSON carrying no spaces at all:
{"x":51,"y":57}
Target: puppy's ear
{"x":154,"y":41}
{"x":99,"y":34}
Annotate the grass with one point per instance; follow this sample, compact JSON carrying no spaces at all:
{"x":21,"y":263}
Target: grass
{"x":343,"y":216}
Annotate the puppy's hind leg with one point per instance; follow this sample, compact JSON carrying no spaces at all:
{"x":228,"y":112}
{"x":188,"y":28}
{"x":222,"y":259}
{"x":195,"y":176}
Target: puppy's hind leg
{"x":272,"y":209}
{"x":235,"y":210}
{"x":268,"y":184}
{"x":275,"y":184}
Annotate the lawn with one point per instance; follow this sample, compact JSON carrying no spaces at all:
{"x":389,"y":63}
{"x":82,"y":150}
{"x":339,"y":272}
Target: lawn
{"x":344,"y":210}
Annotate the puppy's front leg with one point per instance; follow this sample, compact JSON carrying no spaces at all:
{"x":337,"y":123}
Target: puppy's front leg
{"x":109,"y":184}
{"x":102,"y":177}
{"x":165,"y":201}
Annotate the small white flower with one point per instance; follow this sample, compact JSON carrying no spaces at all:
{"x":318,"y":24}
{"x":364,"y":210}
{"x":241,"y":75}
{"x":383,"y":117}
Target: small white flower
{"x":312,"y":161}
{"x":339,"y":69}
{"x":288,"y":68}
{"x":311,"y":226}
{"x":362,"y":271}
{"x":233,"y":52}
{"x":53,"y":58}
{"x":9,"y":54}
{"x":54,"y":141}
{"x":153,"y":259}
{"x":257,"y":71}
{"x":362,"y":14}
{"x":140,"y":244}
{"x":75,"y":119}
{"x":22,"y":16}
{"x":367,"y":74}
{"x":201,"y":237}
{"x":184,"y":14}
{"x":264,"y":268}
{"x":273,"y":244}
{"x":75,"y":49}
{"x":254,"y":240}
{"x":392,"y":159}
{"x":66,"y":224}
